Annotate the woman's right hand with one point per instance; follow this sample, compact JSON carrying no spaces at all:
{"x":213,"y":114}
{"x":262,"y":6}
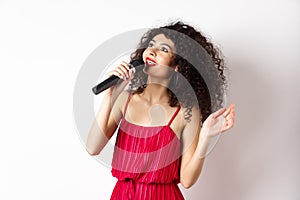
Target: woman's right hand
{"x":123,"y":72}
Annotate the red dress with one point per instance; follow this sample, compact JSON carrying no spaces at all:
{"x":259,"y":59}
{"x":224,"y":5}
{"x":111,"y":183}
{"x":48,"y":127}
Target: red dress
{"x":146,"y":162}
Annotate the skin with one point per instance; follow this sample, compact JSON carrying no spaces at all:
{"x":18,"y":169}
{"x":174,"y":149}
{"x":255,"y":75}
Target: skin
{"x":151,"y":108}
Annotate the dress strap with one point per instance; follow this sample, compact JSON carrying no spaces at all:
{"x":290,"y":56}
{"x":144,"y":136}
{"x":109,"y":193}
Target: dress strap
{"x":174,"y":115}
{"x":129,"y":96}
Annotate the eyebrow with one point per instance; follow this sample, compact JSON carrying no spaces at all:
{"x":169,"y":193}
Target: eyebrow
{"x":163,"y":44}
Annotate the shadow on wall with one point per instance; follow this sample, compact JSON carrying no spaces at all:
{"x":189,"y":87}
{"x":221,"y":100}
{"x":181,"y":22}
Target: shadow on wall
{"x":229,"y":172}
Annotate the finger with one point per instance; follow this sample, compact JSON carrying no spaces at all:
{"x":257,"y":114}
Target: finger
{"x":230,"y":122}
{"x":125,"y":64}
{"x":124,"y":70}
{"x":121,"y":72}
{"x":114,"y":72}
{"x":117,"y":73}
{"x":131,"y":72}
{"x":111,"y":73}
{"x":226,"y":113}
{"x":227,"y":126}
{"x":218,"y":113}
{"x":229,"y":110}
{"x":233,"y":117}
{"x":229,"y":116}
{"x":233,"y":113}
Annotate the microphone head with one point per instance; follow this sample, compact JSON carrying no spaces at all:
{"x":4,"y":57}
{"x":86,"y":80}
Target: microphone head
{"x":136,"y":62}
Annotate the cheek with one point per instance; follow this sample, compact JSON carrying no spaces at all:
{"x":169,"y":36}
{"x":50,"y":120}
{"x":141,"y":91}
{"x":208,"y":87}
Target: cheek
{"x":147,"y":50}
{"x":144,"y":56}
{"x":162,"y":59}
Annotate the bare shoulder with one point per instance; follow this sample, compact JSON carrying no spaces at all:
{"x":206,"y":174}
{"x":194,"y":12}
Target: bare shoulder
{"x":186,"y":121}
{"x":121,"y":100}
{"x":191,"y":117}
{"x":191,"y":130}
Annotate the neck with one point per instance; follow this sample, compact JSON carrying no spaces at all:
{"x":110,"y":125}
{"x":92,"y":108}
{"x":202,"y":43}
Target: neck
{"x":156,"y":92}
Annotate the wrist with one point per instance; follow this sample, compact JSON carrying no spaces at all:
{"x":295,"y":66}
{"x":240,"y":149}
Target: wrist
{"x":204,"y":135}
{"x":203,"y":145}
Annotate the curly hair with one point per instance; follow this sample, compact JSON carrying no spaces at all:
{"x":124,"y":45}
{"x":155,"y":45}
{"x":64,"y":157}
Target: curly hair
{"x":200,"y":64}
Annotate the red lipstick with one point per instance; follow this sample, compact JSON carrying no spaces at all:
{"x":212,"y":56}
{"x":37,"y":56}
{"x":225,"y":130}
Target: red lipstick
{"x":150,"y":62}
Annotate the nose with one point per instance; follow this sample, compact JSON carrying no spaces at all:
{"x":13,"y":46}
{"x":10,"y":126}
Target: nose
{"x":152,"y":51}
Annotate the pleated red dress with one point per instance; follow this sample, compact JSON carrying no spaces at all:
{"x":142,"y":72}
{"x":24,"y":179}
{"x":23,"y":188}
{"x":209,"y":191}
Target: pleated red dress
{"x":146,"y":162}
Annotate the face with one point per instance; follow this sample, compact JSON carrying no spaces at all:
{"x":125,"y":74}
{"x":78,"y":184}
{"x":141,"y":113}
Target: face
{"x":158,"y":57}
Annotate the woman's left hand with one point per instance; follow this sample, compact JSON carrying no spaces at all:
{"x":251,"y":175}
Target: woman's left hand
{"x":218,"y":122}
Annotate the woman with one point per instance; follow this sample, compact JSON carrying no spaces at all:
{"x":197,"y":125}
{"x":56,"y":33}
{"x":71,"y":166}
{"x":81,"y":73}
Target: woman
{"x":165,"y":116}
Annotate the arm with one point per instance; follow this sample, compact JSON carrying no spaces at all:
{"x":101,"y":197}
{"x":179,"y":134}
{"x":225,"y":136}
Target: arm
{"x":105,"y":123}
{"x":195,"y":146}
{"x":191,"y":163}
{"x":110,"y":111}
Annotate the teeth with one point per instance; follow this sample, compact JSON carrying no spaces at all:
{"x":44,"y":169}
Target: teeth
{"x":150,"y":62}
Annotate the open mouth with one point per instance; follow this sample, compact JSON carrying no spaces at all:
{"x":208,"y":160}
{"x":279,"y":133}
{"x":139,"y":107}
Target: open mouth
{"x":150,"y":62}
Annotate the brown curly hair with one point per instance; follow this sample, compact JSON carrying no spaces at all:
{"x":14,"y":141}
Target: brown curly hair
{"x":200,"y":64}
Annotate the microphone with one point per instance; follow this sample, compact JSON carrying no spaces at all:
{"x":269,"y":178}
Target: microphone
{"x":112,"y":80}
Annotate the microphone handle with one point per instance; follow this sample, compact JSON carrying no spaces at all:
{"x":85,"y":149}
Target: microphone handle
{"x":112,"y":80}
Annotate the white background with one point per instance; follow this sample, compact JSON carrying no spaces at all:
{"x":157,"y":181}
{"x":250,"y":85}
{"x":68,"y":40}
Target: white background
{"x":43,"y":45}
